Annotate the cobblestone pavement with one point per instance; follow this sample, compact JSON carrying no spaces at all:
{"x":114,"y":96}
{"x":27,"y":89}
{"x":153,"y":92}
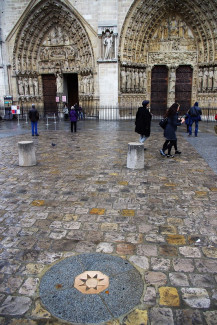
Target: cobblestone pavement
{"x":81,"y":198}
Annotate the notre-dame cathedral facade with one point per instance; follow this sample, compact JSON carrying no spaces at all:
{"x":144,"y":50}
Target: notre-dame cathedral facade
{"x":113,"y":53}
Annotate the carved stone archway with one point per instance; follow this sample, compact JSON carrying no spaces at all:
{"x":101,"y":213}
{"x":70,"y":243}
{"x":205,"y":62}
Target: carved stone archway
{"x":51,"y":39}
{"x":172,"y":33}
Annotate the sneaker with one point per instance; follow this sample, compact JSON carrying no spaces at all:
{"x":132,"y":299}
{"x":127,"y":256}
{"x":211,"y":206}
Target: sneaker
{"x":37,"y":134}
{"x":170,"y":156}
{"x":162,"y":153}
{"x":177,"y":152}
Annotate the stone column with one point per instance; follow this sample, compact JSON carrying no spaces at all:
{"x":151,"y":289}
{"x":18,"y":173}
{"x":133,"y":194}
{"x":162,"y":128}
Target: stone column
{"x":26,"y":153}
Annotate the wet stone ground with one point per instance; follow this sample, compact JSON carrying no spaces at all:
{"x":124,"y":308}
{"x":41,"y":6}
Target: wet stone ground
{"x":81,"y":198}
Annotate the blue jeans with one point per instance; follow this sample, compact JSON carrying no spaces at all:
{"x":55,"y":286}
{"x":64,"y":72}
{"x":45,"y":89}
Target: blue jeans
{"x":34,"y":128}
{"x":192,"y":120}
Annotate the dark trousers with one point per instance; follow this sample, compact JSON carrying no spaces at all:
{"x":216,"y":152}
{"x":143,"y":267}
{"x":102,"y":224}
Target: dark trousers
{"x":73,"y":126}
{"x":168,"y":144}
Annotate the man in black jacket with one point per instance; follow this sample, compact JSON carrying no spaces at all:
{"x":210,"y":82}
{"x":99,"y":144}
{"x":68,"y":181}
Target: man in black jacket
{"x":143,"y":121}
{"x":195,"y":116}
{"x":34,"y":117}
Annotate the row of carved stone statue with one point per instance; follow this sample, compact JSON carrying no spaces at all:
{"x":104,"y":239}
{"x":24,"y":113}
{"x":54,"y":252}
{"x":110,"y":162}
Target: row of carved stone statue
{"x":86,"y":84}
{"x":28,"y":86}
{"x":133,"y":80}
{"x":207,"y":79}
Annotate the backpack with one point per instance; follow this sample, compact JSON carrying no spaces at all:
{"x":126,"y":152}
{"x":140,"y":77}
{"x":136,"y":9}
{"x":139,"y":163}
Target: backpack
{"x":193,"y":111}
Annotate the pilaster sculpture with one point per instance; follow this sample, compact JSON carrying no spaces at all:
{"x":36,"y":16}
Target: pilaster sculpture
{"x":108,"y":46}
{"x":108,"y":42}
{"x":59,"y":82}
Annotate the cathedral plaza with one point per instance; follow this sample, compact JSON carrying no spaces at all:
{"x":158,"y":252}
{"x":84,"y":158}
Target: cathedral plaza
{"x":84,"y":238}
{"x":145,"y":237}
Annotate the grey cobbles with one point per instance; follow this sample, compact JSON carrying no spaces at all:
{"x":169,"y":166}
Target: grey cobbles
{"x":81,"y":198}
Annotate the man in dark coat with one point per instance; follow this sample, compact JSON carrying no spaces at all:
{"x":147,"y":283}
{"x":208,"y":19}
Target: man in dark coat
{"x":195,"y":116}
{"x":143,"y":121}
{"x":34,"y":117}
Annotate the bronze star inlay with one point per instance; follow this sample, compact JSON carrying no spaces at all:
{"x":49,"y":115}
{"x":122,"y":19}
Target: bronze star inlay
{"x":91,"y":282}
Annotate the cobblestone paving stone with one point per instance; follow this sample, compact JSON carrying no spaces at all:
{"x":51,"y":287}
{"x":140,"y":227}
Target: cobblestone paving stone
{"x":81,"y":198}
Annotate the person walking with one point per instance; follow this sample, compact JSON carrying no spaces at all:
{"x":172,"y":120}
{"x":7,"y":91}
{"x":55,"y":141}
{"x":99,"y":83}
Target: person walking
{"x":170,"y":130}
{"x":34,"y":117}
{"x":195,"y":116}
{"x":66,"y":112}
{"x":143,"y":121}
{"x":73,"y":118}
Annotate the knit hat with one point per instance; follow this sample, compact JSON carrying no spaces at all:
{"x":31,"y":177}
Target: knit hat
{"x":145,"y":102}
{"x":196,"y":104}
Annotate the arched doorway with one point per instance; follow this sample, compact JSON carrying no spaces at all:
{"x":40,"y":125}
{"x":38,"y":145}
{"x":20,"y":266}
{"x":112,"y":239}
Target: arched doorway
{"x":50,"y":47}
{"x":49,"y":93}
{"x":159,"y":85}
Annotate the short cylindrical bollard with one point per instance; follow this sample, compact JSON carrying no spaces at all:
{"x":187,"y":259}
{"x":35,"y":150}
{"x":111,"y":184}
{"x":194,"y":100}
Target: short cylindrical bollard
{"x":26,"y":153}
{"x":135,"y":155}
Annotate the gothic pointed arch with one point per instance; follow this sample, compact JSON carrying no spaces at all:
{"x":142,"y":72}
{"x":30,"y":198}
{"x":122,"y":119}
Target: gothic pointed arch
{"x":52,"y":36}
{"x":172,"y":33}
{"x":150,"y":19}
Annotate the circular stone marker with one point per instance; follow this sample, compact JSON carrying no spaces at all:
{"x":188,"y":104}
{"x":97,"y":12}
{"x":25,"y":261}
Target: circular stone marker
{"x":91,"y":288}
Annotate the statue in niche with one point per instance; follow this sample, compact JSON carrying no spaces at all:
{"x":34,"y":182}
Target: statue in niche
{"x":35,"y":85}
{"x":200,"y":80}
{"x":205,"y":79}
{"x":108,"y":45}
{"x":215,"y":79}
{"x":59,"y":82}
{"x":85,"y":84}
{"x":20,"y":86}
{"x":144,"y":81}
{"x":129,"y":80}
{"x":141,"y":82}
{"x":31,"y":89}
{"x":26,"y":86}
{"x":136,"y":80}
{"x":173,"y":27}
{"x":210,"y":79}
{"x":123,"y":79}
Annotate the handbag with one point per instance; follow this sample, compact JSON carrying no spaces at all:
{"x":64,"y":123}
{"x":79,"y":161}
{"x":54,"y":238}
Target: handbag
{"x":163,"y":122}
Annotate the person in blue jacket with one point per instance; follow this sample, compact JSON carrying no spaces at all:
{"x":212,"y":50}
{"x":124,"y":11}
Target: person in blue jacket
{"x":195,"y":116}
{"x":170,"y":130}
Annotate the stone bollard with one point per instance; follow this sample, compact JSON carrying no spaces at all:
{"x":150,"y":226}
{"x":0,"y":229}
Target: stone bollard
{"x":135,"y":155}
{"x":26,"y":153}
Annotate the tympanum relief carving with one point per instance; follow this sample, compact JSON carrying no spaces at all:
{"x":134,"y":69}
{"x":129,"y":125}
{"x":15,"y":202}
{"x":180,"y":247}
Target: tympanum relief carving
{"x":64,"y":52}
{"x":172,"y":43}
